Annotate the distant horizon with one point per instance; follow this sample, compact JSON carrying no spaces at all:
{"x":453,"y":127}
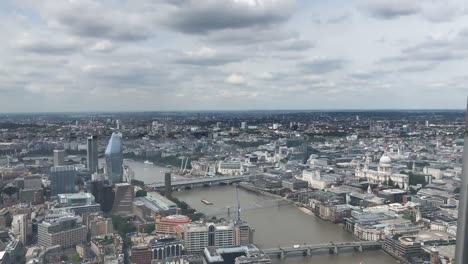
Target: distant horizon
{"x":246,"y":110}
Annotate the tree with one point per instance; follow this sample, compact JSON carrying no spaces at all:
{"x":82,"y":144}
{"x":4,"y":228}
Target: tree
{"x":148,"y":229}
{"x":140,"y":193}
{"x":390,"y":183}
{"x":122,"y":225}
{"x":75,"y":257}
{"x":183,"y":207}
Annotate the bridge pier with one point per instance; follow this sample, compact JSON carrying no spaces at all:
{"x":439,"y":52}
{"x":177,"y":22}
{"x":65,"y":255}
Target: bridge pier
{"x":360,"y":248}
{"x":335,"y":250}
{"x":308,"y":252}
{"x":282,"y":254}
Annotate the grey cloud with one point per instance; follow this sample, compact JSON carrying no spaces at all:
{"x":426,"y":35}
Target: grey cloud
{"x":248,"y":36}
{"x":433,"y":56}
{"x":136,"y":73}
{"x":333,"y":19}
{"x":373,"y":74}
{"x":390,"y":9}
{"x":294,"y":45}
{"x":44,"y":46}
{"x":201,"y":17}
{"x":433,"y":50}
{"x":418,"y":68}
{"x":90,"y":19}
{"x":322,"y":65}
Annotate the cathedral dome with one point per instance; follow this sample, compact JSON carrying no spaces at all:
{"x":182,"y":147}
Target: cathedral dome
{"x":385,"y":160}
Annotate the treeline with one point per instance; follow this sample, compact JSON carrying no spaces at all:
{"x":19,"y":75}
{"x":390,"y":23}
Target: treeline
{"x":174,"y":161}
{"x":9,"y":125}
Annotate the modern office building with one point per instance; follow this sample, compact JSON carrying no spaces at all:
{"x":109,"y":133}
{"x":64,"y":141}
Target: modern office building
{"x":66,"y":231}
{"x":59,"y":157}
{"x":167,"y":225}
{"x":243,"y":125}
{"x":198,"y":236}
{"x":244,"y":233}
{"x":103,"y":193}
{"x":20,"y":227}
{"x":167,"y":184}
{"x":123,"y":199}
{"x":145,"y":208}
{"x":114,"y":158}
{"x":62,"y":179}
{"x":80,"y":203}
{"x":92,"y":153}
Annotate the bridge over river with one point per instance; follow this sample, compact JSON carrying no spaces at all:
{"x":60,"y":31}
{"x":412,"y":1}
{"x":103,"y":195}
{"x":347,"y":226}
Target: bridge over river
{"x":333,"y":248}
{"x":197,"y":182}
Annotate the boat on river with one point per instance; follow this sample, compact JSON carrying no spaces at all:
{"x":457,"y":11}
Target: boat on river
{"x":206,"y":202}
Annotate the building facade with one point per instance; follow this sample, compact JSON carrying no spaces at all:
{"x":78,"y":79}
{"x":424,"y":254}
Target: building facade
{"x":80,"y":203}
{"x":167,"y":225}
{"x":114,"y":158}
{"x":59,"y":157}
{"x":92,"y":153}
{"x":62,"y":179}
{"x":383,"y":175}
{"x":65,"y":231}
{"x":123,"y":199}
{"x":201,"y":235}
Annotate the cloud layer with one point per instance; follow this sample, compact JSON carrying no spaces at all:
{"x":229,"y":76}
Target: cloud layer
{"x":118,"y":55}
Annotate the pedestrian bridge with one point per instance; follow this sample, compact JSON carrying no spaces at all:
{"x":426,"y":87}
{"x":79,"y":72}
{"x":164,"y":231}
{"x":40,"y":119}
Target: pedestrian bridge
{"x":333,"y":248}
{"x":197,"y":182}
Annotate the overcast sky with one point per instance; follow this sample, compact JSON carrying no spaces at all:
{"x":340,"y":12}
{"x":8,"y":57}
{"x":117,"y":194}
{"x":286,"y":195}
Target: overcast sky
{"x":119,"y":55}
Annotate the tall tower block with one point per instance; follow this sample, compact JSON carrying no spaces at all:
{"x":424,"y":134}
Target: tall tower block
{"x":461,"y":251}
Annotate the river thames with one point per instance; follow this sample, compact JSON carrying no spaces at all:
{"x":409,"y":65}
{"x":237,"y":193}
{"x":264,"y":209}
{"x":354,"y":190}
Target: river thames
{"x":276,"y":222}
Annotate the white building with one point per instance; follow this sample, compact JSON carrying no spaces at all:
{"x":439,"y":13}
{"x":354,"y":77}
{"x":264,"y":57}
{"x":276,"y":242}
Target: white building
{"x":201,"y":235}
{"x":317,"y":180}
{"x":230,"y":168}
{"x":20,"y":227}
{"x":383,"y":174}
{"x":66,"y":231}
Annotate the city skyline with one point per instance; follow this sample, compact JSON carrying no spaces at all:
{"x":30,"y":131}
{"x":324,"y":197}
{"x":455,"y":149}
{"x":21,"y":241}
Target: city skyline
{"x":238,"y":54}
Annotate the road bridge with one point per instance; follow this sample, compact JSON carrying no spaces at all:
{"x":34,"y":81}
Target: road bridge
{"x":333,"y":248}
{"x":198,"y":182}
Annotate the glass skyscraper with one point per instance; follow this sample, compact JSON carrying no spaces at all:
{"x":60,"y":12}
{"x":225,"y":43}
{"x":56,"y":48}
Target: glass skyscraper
{"x":62,"y":179}
{"x":114,"y":158}
{"x":92,"y":154}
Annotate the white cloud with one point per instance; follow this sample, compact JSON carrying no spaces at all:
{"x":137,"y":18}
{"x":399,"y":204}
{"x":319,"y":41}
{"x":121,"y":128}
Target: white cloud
{"x":235,"y":78}
{"x":103,"y":46}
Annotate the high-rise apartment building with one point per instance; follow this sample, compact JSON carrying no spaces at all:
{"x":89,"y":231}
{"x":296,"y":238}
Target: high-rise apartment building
{"x":114,"y":158}
{"x":92,"y":154}
{"x":59,"y":157}
{"x":62,"y":179}
{"x":66,"y":231}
